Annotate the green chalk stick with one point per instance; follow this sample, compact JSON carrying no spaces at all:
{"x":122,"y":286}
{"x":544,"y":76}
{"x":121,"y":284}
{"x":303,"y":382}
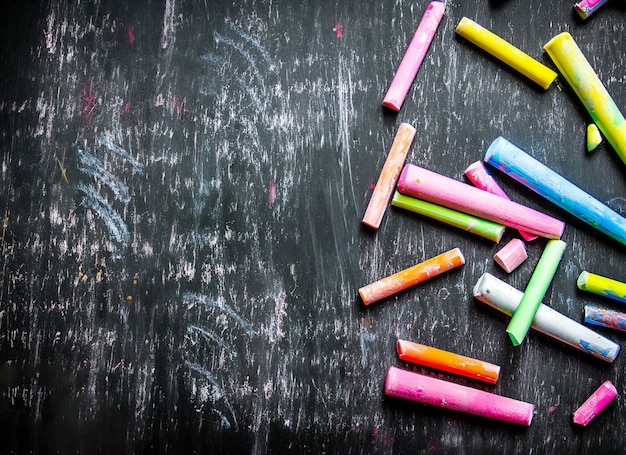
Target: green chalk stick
{"x":535,"y":291}
{"x":479,"y":226}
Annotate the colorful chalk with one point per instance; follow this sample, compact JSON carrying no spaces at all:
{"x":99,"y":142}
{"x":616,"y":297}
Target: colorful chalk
{"x":586,"y":8}
{"x":535,"y":291}
{"x":547,"y":183}
{"x":506,"y":52}
{"x":511,"y":256}
{"x":505,"y":298}
{"x":388,"y":176}
{"x":595,"y":404}
{"x":600,"y":285}
{"x":579,"y":74}
{"x":594,"y":138}
{"x":604,"y":317}
{"x":433,"y":187}
{"x":479,"y":226}
{"x":447,"y":361}
{"x":480,"y":177}
{"x":414,"y":56}
{"x":423,"y":389}
{"x":413,"y":275}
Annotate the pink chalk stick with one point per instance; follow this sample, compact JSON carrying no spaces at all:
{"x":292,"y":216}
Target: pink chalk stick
{"x":511,"y":255}
{"x":438,"y":189}
{"x":424,"y":389}
{"x":389,"y":176}
{"x":595,"y":404}
{"x":414,"y":55}
{"x":481,"y":178}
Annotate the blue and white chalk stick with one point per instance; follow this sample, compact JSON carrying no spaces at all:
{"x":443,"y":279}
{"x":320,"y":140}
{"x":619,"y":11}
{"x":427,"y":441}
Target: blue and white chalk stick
{"x":516,"y":163}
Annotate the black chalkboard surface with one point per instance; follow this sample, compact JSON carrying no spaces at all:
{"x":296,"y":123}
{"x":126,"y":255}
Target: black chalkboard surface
{"x":182,"y":186}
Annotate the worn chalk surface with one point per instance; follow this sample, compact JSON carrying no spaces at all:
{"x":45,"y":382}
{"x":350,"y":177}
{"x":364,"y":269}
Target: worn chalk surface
{"x":181,"y":188}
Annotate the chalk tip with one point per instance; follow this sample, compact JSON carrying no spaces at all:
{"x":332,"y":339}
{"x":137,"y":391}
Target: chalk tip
{"x":582,"y":280}
{"x":514,"y":338}
{"x":594,"y":138}
{"x":393,"y":105}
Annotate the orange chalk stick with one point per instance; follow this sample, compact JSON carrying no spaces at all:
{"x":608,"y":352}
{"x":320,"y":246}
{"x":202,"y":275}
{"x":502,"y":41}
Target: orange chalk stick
{"x":389,"y":176}
{"x":413,"y":275}
{"x":448,"y":361}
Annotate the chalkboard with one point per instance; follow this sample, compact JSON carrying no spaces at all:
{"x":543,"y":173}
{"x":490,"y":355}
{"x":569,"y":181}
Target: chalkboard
{"x":183,"y":183}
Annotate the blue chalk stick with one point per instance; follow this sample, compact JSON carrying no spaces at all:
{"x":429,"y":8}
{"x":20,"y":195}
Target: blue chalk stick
{"x":516,"y":163}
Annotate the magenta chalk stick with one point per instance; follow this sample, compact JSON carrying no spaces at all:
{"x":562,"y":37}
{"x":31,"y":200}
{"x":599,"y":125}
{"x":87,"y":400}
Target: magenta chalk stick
{"x":595,"y":404}
{"x":414,"y":55}
{"x":481,"y":178}
{"x":424,"y":389}
{"x":438,"y":189}
{"x":511,"y":255}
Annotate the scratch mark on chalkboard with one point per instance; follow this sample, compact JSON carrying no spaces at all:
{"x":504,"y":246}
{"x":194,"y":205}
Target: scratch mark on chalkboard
{"x":107,"y":142}
{"x":262,"y":51}
{"x":216,"y":394}
{"x":212,"y":336}
{"x":346,"y":108}
{"x":246,"y":55}
{"x":193,"y":298}
{"x":93,"y":166}
{"x":112,"y":220}
{"x":366,"y":337}
{"x":168,"y":24}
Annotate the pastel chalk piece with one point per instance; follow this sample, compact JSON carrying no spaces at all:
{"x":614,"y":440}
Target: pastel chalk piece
{"x":595,"y":404}
{"x":411,"y":276}
{"x":535,"y":291}
{"x":536,"y":176}
{"x":586,"y":84}
{"x":481,"y":178}
{"x":600,"y":285}
{"x":506,"y":52}
{"x":419,"y":388}
{"x":389,"y":176}
{"x":586,"y":8}
{"x":505,"y":298}
{"x":594,"y":138}
{"x":430,"y":186}
{"x":511,"y":255}
{"x":414,"y":55}
{"x":447,"y":361}
{"x":604,"y":317}
{"x":475,"y":225}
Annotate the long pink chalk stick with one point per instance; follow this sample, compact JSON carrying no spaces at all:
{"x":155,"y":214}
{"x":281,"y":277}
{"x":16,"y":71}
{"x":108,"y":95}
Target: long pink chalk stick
{"x":595,"y":404}
{"x":414,"y":55}
{"x":480,"y":177}
{"x":424,"y":389}
{"x":389,"y":176}
{"x":438,"y":189}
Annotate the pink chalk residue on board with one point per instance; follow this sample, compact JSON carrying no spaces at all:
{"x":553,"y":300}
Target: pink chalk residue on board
{"x":89,"y":103}
{"x":272,"y":191}
{"x":179,"y":107}
{"x":338,"y":29}
{"x":130,"y":35}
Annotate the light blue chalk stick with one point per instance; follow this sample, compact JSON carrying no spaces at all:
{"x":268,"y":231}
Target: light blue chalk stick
{"x":522,"y":167}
